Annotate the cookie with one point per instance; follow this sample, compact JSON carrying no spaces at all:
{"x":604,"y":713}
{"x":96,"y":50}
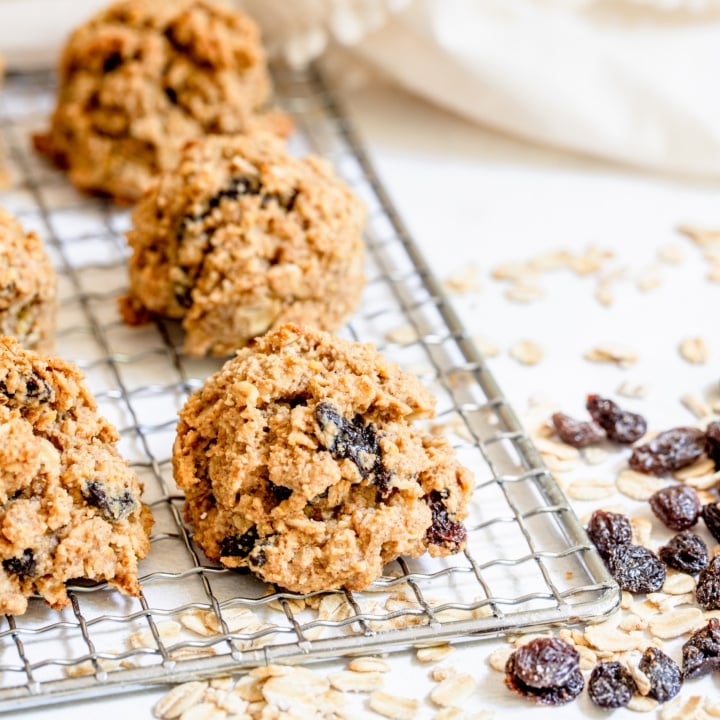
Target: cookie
{"x":300,"y":461}
{"x":142,"y":77}
{"x":70,"y":506}
{"x":28,"y":286}
{"x":240,"y":238}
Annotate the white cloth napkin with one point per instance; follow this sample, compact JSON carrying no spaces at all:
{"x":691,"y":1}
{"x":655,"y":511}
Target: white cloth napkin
{"x":635,"y":81}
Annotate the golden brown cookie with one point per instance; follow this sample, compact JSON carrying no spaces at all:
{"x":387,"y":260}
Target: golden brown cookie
{"x":69,"y":504}
{"x":300,"y":461}
{"x":141,"y":78}
{"x":241,"y":237}
{"x":28,"y":287}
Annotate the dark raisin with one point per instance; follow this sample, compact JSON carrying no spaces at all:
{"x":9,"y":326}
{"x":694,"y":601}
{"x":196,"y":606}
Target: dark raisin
{"x":611,"y":685}
{"x":546,"y":662}
{"x":678,"y":506}
{"x":23,"y":566}
{"x":443,"y":531}
{"x":707,"y":591}
{"x":701,"y":653}
{"x":637,"y":569}
{"x":686,"y":552}
{"x":607,"y":530}
{"x":112,"y":62}
{"x":37,"y":389}
{"x":662,"y":672}
{"x":621,"y":426}
{"x":353,"y":440}
{"x":113,"y":508}
{"x":577,"y":433}
{"x":553,"y":694}
{"x":670,"y":450}
{"x":171,"y":95}
{"x":712,"y":442}
{"x":257,"y":557}
{"x":279,"y":492}
{"x":239,"y":545}
{"x":711,"y":515}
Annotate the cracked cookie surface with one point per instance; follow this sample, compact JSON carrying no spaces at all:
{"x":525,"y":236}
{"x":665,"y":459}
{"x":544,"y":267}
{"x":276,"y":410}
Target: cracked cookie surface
{"x":28,"y":287}
{"x":241,"y":237}
{"x":70,"y":506}
{"x":300,"y":461}
{"x":142,"y":77}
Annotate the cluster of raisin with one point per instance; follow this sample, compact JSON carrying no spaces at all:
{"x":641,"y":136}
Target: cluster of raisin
{"x":547,"y":671}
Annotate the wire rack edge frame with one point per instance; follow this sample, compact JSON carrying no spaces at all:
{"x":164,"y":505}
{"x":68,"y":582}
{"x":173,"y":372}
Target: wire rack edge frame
{"x":605,"y":600}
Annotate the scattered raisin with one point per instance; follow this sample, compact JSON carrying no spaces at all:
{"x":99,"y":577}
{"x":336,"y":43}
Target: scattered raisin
{"x":637,"y":569}
{"x":711,"y":515}
{"x":686,"y":552}
{"x":611,"y":685}
{"x":621,"y":426}
{"x":712,"y":442}
{"x":607,"y":530}
{"x":701,"y":653}
{"x":112,"y":62}
{"x":707,"y":591}
{"x":353,"y":440}
{"x":444,"y":532}
{"x":546,"y":662}
{"x":670,"y":450}
{"x":23,"y":566}
{"x":114,"y":508}
{"x":564,"y":668}
{"x":662,"y":672}
{"x":678,"y":506}
{"x":239,"y":545}
{"x":575,"y":432}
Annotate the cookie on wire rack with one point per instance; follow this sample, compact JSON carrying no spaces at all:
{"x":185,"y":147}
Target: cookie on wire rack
{"x":142,"y":77}
{"x":300,"y":460}
{"x":242,"y":237}
{"x":70,"y":506}
{"x":28,"y":287}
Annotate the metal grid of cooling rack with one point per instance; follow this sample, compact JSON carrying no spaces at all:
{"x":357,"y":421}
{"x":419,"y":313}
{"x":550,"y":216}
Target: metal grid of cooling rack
{"x":527,"y":562}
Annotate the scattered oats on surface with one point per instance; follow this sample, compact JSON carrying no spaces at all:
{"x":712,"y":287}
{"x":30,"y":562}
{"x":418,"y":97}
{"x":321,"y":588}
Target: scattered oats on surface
{"x":588,"y":657}
{"x":626,"y":600}
{"x":648,"y":280}
{"x":677,"y":583}
{"x":594,"y":455}
{"x":683,"y":708}
{"x":641,"y":703}
{"x":486,"y":346}
{"x":362,"y":682}
{"x":512,"y":271}
{"x":194,"y":622}
{"x":449,"y":713}
{"x":454,"y":690}
{"x":607,"y":637}
{"x":524,"y":292}
{"x":179,"y":699}
{"x":695,"y":350}
{"x":637,"y":486}
{"x":604,"y":294}
{"x":498,"y":658}
{"x":632,"y":390}
{"x":703,"y":237}
{"x":466,"y":280}
{"x":556,"y":449}
{"x":631,"y":622}
{"x":696,"y":405}
{"x":204,"y":711}
{"x":367,"y":665}
{"x":438,"y":674}
{"x":188,"y":653}
{"x":671,"y":254}
{"x":591,"y":489}
{"x":434,"y":653}
{"x":641,"y":530}
{"x":700,"y":468}
{"x":392,"y":706}
{"x":403,"y":335}
{"x":611,"y":353}
{"x":673,"y":624}
{"x":145,"y":639}
{"x":527,"y":352}
{"x":549,"y":261}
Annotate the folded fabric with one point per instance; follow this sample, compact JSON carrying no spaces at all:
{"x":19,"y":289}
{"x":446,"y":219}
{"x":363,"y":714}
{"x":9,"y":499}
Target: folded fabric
{"x":634,"y":81}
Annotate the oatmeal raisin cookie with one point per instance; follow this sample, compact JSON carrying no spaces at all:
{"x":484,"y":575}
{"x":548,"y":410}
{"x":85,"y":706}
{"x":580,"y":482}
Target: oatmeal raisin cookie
{"x":28,"y":286}
{"x":300,"y":461}
{"x":70,"y":506}
{"x":241,"y":237}
{"x":143,"y":76}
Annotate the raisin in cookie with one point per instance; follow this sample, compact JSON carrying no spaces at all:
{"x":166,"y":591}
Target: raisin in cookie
{"x":28,"y":286}
{"x":241,"y":237}
{"x":300,"y":461}
{"x":69,"y":505}
{"x":142,"y":77}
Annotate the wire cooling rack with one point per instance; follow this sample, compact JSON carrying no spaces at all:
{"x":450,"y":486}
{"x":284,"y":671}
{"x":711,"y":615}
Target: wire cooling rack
{"x":527,"y":562}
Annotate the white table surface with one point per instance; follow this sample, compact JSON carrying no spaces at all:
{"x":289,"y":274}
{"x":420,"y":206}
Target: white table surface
{"x":470,"y":196}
